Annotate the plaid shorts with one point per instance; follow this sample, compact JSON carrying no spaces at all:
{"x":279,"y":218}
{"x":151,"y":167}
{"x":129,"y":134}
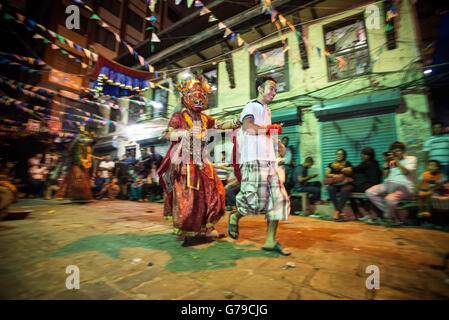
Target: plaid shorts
{"x":261,"y":190}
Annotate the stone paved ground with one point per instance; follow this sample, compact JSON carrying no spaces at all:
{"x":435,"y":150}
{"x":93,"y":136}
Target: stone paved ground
{"x":103,"y":239}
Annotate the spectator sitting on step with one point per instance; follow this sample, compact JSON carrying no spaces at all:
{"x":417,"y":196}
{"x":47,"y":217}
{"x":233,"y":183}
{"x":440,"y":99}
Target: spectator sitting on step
{"x":302,"y":184}
{"x":429,"y":183}
{"x":110,"y":190}
{"x":340,"y":171}
{"x":97,"y":183}
{"x":399,"y":171}
{"x":366,"y":175}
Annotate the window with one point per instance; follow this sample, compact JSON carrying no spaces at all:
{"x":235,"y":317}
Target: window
{"x":116,"y":117}
{"x":134,"y":20}
{"x":113,"y":6}
{"x":137,"y":112}
{"x":348,"y":41}
{"x":160,"y":97}
{"x":105,"y":38}
{"x":212,"y":78}
{"x":273,"y":63}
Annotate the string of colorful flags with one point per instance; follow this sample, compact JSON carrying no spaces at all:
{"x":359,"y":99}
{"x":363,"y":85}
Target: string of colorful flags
{"x":118,"y":39}
{"x":7,"y":100}
{"x":21,"y":88}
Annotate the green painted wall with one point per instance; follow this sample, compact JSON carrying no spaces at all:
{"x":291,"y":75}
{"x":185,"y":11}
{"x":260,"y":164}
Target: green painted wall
{"x":412,"y":116}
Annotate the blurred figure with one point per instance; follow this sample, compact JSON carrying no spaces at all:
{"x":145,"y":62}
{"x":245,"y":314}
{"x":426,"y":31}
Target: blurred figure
{"x":110,"y":190}
{"x":436,"y":147}
{"x":106,"y":166}
{"x":38,"y":176}
{"x":429,"y":183}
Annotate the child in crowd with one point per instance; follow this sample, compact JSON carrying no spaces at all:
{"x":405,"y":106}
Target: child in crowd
{"x":429,"y":183}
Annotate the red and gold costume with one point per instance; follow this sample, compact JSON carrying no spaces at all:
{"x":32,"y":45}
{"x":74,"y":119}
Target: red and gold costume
{"x":194,"y":197}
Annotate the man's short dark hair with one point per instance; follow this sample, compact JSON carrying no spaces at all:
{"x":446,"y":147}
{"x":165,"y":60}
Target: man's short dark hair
{"x":309,"y":160}
{"x":261,"y":81}
{"x":288,"y":139}
{"x":397,"y":145}
{"x":369,"y":152}
{"x":438,"y":163}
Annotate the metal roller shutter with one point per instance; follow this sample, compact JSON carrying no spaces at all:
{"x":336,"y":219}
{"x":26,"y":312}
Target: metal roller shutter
{"x":354,"y":134}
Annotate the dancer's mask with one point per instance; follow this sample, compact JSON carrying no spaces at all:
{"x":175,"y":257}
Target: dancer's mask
{"x":194,"y":94}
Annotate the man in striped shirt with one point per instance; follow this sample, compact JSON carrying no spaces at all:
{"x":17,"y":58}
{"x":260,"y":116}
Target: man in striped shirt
{"x":437,"y":147}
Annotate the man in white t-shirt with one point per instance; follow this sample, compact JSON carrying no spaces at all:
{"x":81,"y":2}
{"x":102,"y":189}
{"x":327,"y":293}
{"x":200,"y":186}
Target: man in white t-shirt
{"x":106,"y":166}
{"x":260,"y":186}
{"x":399,"y":171}
{"x":436,"y":147}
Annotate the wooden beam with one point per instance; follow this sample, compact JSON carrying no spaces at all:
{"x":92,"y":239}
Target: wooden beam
{"x":199,"y":54}
{"x":314,"y":14}
{"x":260,"y":31}
{"x":210,"y":32}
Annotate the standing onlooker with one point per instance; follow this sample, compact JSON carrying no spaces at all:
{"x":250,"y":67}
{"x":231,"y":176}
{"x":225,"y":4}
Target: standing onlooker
{"x":36,"y":160}
{"x":302,"y":184}
{"x":106,"y":166}
{"x":155,"y":157}
{"x":428,"y":183}
{"x":38,"y":176}
{"x":288,"y":164}
{"x":399,"y":171}
{"x":366,"y":175}
{"x":122,"y":174}
{"x":339,"y":172}
{"x":437,"y":147}
{"x":153,"y":189}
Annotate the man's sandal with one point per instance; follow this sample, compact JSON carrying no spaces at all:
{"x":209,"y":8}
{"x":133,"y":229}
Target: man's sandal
{"x":277,"y":248}
{"x":234,"y":228}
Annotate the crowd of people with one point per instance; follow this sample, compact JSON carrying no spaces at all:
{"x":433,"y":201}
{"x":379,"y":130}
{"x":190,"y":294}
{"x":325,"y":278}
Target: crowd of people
{"x":384,"y":185}
{"x":126,"y":178}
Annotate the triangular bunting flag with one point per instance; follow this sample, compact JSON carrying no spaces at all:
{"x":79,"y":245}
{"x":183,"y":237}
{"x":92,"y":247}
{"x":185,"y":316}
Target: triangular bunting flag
{"x":42,"y":27}
{"x":94,"y":17}
{"x":130,"y":49}
{"x":282,"y":20}
{"x":227,"y":32}
{"x":189,"y":3}
{"x":240,"y":41}
{"x":221,"y":25}
{"x":212,"y":18}
{"x":141,"y":60}
{"x":38,"y":36}
{"x":54,"y":47}
{"x":154,"y":38}
{"x":94,"y":56}
{"x":53,"y":34}
{"x":204,"y":11}
{"x":69,"y":42}
{"x":86,"y":52}
{"x":83,"y":65}
{"x":389,"y":27}
{"x":117,"y":37}
{"x":60,"y":38}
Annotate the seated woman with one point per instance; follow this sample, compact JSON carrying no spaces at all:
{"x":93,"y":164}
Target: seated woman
{"x":366,"y":175}
{"x":338,"y":174}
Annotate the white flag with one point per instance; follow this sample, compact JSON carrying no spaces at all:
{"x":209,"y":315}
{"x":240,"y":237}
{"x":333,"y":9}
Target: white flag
{"x":154,"y":38}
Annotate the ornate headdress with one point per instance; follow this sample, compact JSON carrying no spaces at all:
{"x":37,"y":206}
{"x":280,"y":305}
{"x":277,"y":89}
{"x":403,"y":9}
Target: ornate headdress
{"x":194,"y":94}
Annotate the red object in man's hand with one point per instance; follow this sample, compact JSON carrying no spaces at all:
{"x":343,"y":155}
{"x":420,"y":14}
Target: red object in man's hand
{"x":276,"y":127}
